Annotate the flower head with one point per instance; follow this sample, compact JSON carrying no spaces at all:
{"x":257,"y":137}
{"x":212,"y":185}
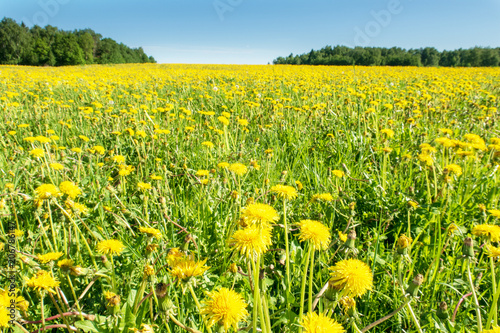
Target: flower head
{"x":70,"y":189}
{"x":143,"y":186}
{"x":487,"y":230}
{"x":238,"y":169}
{"x":4,"y":317}
{"x":494,"y":212}
{"x":493,"y":252}
{"x":316,"y":233}
{"x":151,"y":232}
{"x":327,"y":197}
{"x":314,"y":323}
{"x":285,"y":192}
{"x":47,"y":191}
{"x":251,"y":241}
{"x":260,"y":214}
{"x":351,"y":277}
{"x":224,"y":307}
{"x":338,"y":173}
{"x":187,"y":268}
{"x":454,"y":169}
{"x":37,"y":152}
{"x":51,"y":256}
{"x":110,"y":246}
{"x":42,"y":280}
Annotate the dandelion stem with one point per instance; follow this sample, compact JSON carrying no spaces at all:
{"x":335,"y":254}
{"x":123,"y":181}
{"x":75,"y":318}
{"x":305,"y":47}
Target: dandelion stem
{"x":476,"y":303}
{"x":198,"y":305}
{"x":311,"y":272}
{"x":303,"y":286}
{"x":256,"y":294}
{"x":493,"y":314}
{"x":287,"y":250}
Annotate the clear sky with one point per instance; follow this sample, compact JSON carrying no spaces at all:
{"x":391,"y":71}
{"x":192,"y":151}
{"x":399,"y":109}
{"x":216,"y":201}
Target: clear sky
{"x":258,"y":31}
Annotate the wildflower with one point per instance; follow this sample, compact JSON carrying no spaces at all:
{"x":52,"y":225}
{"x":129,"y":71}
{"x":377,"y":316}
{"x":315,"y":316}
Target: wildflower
{"x":155,"y":177}
{"x":4,"y":317}
{"x":84,"y":138}
{"x":223,"y":120}
{"x":223,"y":165}
{"x":110,"y":246}
{"x":482,"y":207}
{"x":224,"y":307}
{"x":342,"y":236}
{"x":125,"y":170}
{"x":493,"y":252}
{"x":65,"y":263}
{"x":76,"y":150}
{"x":187,"y":268}
{"x":143,"y":186}
{"x":327,"y":197}
{"x":145,"y":328}
{"x":149,"y":270}
{"x":347,"y":304}
{"x":118,"y":159}
{"x":257,"y":213}
{"x":351,"y":277}
{"x":299,"y":185}
{"x":37,"y":152}
{"x":314,"y":323}
{"x":51,"y":256}
{"x":238,"y":169}
{"x":452,"y":228}
{"x":388,"y":132}
{"x":425,"y":158}
{"x":495,"y":329}
{"x":56,"y":166}
{"x":42,"y":280}
{"x":316,"y":233}
{"x":202,"y":173}
{"x":174,"y":256}
{"x":338,"y":173}
{"x":413,"y":204}
{"x":251,"y":241}
{"x":285,"y":192}
{"x":151,"y":232}
{"x":70,"y":189}
{"x":112,"y":299}
{"x":454,"y":169}
{"x":494,"y":212}
{"x":99,"y":149}
{"x":487,"y":230}
{"x":207,"y":144}
{"x":47,"y":191}
{"x":6,"y":298}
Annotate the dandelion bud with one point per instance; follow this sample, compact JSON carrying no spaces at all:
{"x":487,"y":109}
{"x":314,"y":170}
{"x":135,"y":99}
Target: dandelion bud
{"x":106,"y":262}
{"x":233,"y":268}
{"x":234,"y":195}
{"x":187,"y":239}
{"x":149,"y":270}
{"x":404,"y":243}
{"x":284,"y":173}
{"x":414,"y":285}
{"x":468,"y":248}
{"x":78,"y":270}
{"x":161,"y":290}
{"x":352,"y":205}
{"x":351,"y":239}
{"x":442,"y":311}
{"x":163,"y":201}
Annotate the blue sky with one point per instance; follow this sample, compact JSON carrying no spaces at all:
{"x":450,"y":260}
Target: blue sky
{"x":258,"y":31}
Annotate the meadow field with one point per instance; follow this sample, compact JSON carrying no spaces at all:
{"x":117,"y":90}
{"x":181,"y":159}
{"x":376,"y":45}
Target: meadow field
{"x":215,"y":198}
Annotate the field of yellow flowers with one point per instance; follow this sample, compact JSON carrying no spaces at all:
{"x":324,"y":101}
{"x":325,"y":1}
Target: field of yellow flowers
{"x":196,"y":198}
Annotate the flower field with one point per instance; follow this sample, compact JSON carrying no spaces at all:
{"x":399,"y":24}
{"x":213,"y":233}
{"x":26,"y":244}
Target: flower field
{"x":214,"y":198}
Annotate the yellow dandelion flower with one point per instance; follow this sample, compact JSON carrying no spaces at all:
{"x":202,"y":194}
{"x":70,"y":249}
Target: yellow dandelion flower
{"x":47,"y":191}
{"x":338,"y":173}
{"x":314,"y":323}
{"x":494,"y":212}
{"x":42,"y":280}
{"x":260,"y":214}
{"x":174,"y":256}
{"x":223,"y":165}
{"x":347,"y":303}
{"x":56,"y":166}
{"x":285,"y":192}
{"x":224,"y":307}
{"x":238,"y":169}
{"x":151,"y":232}
{"x":110,"y":246}
{"x":118,"y":159}
{"x":413,"y":204}
{"x":493,"y":252}
{"x":51,"y":256}
{"x":149,"y":270}
{"x":37,"y":152}
{"x":495,"y":329}
{"x":84,"y":138}
{"x":223,"y":120}
{"x":65,"y":263}
{"x":99,"y":149}
{"x":404,"y":241}
{"x":425,"y":158}
{"x":316,"y":233}
{"x":327,"y":197}
{"x":76,"y":150}
{"x":143,"y":186}
{"x":487,"y":230}
{"x":251,"y":241}
{"x":299,"y":185}
{"x":112,"y":299}
{"x":342,"y":236}
{"x":70,"y":189}
{"x":4,"y":317}
{"x":454,"y":169}
{"x":207,"y":144}
{"x":351,"y":277}
{"x":187,"y":268}
{"x":202,"y":173}
{"x":388,"y":132}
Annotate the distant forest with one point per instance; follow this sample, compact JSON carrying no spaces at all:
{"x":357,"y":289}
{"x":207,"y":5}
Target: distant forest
{"x":49,"y":46}
{"x":378,"y":56}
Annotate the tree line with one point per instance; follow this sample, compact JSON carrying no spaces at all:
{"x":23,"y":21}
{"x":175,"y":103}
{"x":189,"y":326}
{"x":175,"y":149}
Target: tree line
{"x":395,"y":56}
{"x":50,"y":46}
